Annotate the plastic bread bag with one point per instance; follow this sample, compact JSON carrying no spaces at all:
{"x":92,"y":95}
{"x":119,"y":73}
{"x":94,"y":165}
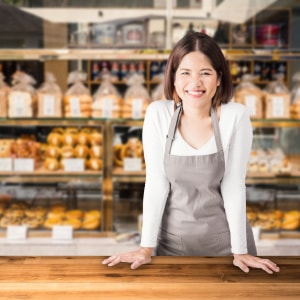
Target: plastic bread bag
{"x":77,"y":100}
{"x":247,"y":93}
{"x":4,"y":90}
{"x":22,"y":96}
{"x":295,"y":97}
{"x":158,"y":91}
{"x":278,"y":99}
{"x":49,"y":98}
{"x":107,"y":100}
{"x":136,"y":99}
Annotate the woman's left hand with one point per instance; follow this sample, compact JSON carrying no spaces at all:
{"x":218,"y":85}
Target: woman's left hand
{"x":244,"y":261}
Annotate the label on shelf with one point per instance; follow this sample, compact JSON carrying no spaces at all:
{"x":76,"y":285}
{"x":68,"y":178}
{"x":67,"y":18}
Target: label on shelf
{"x":132,"y":164}
{"x":250,"y":101}
{"x":75,"y":107}
{"x":6,"y":164}
{"x":278,"y":106}
{"x":137,"y":108}
{"x":74,"y":164}
{"x":16,"y":232}
{"x":18,"y":104}
{"x":107,"y":107}
{"x":62,"y":232}
{"x":49,"y":105}
{"x":24,"y":164}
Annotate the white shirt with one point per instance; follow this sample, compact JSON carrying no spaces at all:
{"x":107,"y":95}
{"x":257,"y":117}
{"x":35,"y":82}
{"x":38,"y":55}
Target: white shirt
{"x":236,"y":135}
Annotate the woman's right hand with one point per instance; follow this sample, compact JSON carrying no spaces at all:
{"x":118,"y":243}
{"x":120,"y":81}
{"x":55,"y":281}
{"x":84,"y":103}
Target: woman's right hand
{"x":136,"y":258}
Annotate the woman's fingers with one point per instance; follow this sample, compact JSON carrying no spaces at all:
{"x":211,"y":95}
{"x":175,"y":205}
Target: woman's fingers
{"x":244,"y":261}
{"x":135,"y":258}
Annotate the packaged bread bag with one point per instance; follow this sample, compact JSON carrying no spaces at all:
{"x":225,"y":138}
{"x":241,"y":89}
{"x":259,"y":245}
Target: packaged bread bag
{"x":247,"y":93}
{"x":4,"y":90}
{"x":77,"y":99}
{"x":158,"y":91}
{"x":277,"y":99}
{"x":49,"y":97}
{"x":22,"y":96}
{"x":136,"y":99}
{"x":295,"y":97}
{"x":107,"y":101}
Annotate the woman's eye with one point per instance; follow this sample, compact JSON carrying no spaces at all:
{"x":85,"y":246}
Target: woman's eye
{"x":205,"y":73}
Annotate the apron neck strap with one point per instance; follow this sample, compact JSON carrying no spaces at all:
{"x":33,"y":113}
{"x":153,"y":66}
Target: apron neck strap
{"x":215,"y":123}
{"x":172,"y":129}
{"x":174,"y":124}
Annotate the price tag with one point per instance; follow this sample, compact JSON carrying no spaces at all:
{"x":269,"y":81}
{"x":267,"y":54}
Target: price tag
{"x":75,"y":107}
{"x":278,"y":106}
{"x":74,"y":165}
{"x":250,"y":102}
{"x":6,"y":164}
{"x":137,"y":106}
{"x":64,"y":233}
{"x":48,"y":105}
{"x":132,"y":164}
{"x":16,"y":232}
{"x":107,"y":107}
{"x":24,"y":164}
{"x":18,"y":104}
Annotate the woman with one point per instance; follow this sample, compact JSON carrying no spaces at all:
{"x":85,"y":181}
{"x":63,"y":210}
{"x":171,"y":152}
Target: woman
{"x":196,"y":150}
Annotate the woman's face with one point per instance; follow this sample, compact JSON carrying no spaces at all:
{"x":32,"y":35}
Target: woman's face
{"x":196,"y":81}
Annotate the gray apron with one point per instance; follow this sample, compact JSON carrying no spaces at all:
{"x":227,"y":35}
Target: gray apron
{"x":194,"y":222}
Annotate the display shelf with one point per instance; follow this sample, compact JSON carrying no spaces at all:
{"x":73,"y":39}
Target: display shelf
{"x":119,"y":175}
{"x":89,"y":122}
{"x":48,"y":177}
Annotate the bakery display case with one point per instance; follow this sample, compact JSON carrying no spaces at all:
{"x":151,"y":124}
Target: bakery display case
{"x":97,"y":187}
{"x":51,"y":174}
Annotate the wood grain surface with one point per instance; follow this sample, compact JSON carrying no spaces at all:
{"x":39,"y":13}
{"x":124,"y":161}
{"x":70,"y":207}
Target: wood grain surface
{"x":206,"y":278}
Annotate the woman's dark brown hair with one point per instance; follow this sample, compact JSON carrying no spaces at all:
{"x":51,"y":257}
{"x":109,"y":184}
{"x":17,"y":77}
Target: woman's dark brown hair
{"x":197,"y":41}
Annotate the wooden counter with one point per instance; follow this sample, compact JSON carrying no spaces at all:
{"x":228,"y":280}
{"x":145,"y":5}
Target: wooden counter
{"x":165,"y":278}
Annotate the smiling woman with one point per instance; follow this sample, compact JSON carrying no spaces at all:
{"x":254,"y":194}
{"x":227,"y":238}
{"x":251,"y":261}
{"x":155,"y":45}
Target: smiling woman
{"x":194,"y":198}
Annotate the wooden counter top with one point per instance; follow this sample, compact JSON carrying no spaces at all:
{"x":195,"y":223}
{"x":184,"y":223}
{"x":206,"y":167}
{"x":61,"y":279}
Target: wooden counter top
{"x":165,"y":278}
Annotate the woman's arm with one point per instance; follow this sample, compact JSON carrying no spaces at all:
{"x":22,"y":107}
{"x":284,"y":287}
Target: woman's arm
{"x":156,"y":185}
{"x":233,"y":186}
{"x":233,"y":190}
{"x":155,"y":192}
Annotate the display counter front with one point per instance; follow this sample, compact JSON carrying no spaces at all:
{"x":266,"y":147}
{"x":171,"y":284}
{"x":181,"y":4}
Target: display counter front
{"x":165,"y":278}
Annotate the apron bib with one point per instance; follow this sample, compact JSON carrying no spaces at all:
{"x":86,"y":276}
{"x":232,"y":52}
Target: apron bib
{"x":194,"y":222}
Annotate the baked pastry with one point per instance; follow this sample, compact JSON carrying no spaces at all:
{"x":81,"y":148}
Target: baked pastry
{"x":75,"y":223}
{"x":32,"y":222}
{"x":51,"y":164}
{"x":83,"y":138}
{"x":95,"y":137}
{"x":58,"y":207}
{"x":74,"y":213}
{"x":291,"y":220}
{"x":69,"y":138}
{"x":7,"y":221}
{"x":118,"y":159}
{"x":50,"y":222}
{"x":92,"y":214}
{"x":95,"y":151}
{"x":53,"y":151}
{"x":81,"y":151}
{"x":94,"y":164}
{"x":5,"y":148}
{"x":67,"y":152}
{"x":55,"y":138}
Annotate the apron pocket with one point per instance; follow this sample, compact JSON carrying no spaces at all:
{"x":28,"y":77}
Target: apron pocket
{"x":169,"y":244}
